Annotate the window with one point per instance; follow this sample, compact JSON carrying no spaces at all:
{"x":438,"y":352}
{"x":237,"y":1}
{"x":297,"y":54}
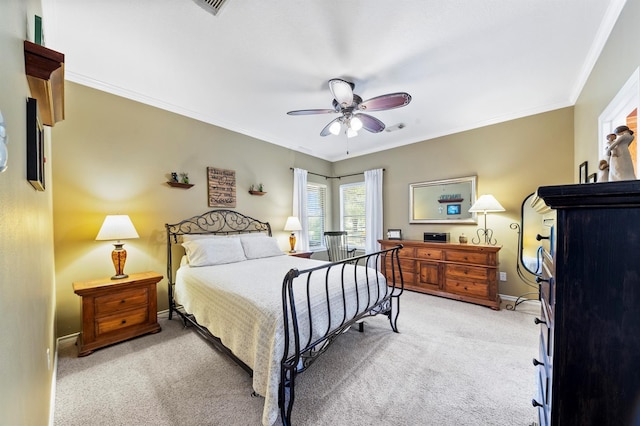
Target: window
{"x":316,"y":214}
{"x":352,"y":213}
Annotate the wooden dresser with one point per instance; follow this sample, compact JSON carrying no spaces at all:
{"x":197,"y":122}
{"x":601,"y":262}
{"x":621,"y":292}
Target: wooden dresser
{"x":588,"y":366}
{"x":464,"y":272}
{"x":117,"y":310}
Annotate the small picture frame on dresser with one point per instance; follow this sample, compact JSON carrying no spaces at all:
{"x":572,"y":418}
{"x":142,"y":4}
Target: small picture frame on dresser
{"x":394,"y":234}
{"x":583,"y":172}
{"x":592,"y":178}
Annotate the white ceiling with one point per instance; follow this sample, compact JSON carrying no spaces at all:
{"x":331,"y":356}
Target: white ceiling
{"x":466,"y":63}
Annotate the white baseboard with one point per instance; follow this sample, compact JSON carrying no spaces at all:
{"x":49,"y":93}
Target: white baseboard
{"x":530,"y":302}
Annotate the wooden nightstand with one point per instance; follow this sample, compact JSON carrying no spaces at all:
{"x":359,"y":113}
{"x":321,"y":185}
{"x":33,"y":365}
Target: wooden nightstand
{"x":117,"y":310}
{"x":305,"y":254}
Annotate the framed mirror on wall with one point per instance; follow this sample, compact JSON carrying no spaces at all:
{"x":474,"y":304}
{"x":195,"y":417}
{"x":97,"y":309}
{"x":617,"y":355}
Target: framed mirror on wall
{"x":443,"y":201}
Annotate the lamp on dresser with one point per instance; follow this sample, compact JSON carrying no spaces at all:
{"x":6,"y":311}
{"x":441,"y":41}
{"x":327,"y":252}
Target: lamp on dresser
{"x":117,"y":228}
{"x":292,"y":224}
{"x":485,"y":204}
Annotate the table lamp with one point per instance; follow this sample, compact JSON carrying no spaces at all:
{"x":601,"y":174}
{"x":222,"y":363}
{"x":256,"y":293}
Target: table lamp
{"x":485,"y":204}
{"x":292,"y":224}
{"x":117,"y":227}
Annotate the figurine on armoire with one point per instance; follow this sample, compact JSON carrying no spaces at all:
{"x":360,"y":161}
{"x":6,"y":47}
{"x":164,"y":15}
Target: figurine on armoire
{"x":617,"y":151}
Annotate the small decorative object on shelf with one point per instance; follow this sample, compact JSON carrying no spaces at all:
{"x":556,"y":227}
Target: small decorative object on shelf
{"x":185,"y":177}
{"x":463,"y":239}
{"x":174,"y":177}
{"x":174,"y":182}
{"x":257,"y":191}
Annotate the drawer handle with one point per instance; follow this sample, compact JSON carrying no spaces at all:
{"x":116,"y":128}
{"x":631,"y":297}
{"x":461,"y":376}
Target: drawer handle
{"x":123,"y":322}
{"x":539,"y":321}
{"x":540,"y":237}
{"x":537,"y":363}
{"x":123,"y":301}
{"x":536,"y":403}
{"x":542,"y":280}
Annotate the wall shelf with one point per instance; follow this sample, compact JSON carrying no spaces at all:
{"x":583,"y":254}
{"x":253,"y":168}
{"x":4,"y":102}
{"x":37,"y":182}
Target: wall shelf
{"x":180,"y":185}
{"x":257,"y":192}
{"x":45,"y":74}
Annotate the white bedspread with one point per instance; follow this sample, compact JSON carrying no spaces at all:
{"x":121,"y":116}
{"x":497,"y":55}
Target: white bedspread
{"x":241,"y":303}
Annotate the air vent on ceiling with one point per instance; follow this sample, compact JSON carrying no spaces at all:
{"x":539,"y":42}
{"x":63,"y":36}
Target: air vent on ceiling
{"x":212,"y":6}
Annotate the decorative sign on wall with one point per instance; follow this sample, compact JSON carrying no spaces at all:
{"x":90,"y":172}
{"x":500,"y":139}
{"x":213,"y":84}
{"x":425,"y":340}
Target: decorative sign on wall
{"x":222,"y":187}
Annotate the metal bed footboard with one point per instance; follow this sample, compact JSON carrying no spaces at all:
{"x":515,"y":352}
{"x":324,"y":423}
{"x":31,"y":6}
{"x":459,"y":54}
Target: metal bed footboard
{"x":299,"y":354}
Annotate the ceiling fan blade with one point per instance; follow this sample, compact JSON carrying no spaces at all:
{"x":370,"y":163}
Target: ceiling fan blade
{"x":388,"y":101}
{"x":370,"y":123}
{"x":342,"y":91}
{"x":311,"y":111}
{"x":326,"y":131}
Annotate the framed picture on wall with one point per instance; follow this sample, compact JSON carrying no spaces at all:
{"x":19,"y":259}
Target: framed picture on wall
{"x":584,"y":172}
{"x":35,"y":147}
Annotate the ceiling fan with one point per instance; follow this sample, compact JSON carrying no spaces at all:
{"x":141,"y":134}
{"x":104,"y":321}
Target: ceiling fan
{"x":350,"y":106}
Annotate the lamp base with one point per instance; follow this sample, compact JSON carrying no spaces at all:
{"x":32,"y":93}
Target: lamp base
{"x":292,"y":242}
{"x":119,"y":277}
{"x":119,"y":257}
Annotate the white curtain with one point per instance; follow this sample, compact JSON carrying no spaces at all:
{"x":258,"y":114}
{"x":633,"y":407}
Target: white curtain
{"x":300,"y":207}
{"x":373,"y":209}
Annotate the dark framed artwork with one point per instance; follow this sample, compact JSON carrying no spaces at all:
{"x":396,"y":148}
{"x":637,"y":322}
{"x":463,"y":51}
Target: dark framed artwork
{"x":592,"y":178}
{"x":35,"y":147}
{"x":394,"y":234}
{"x":584,"y":172}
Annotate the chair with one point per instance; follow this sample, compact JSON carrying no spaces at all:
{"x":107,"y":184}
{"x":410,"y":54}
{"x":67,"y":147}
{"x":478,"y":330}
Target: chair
{"x":337,"y":249}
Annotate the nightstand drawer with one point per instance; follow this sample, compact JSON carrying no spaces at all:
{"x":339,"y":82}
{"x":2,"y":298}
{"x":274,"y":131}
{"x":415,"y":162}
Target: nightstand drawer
{"x":117,"y":322}
{"x":117,"y":302}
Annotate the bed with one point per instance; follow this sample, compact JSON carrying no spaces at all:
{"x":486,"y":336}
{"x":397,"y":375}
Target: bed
{"x":273,"y":314}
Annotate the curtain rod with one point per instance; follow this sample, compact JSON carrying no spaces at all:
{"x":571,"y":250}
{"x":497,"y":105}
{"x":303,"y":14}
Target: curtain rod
{"x":333,"y":177}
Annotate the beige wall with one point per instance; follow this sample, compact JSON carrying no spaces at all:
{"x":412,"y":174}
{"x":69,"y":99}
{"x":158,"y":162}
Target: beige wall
{"x":27,"y":293}
{"x":106,"y":168}
{"x":510,"y":159}
{"x":114,"y":156}
{"x":619,"y":59}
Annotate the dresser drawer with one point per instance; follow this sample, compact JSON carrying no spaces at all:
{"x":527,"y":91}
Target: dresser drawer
{"x":467,"y":272}
{"x":467,"y":257}
{"x":429,"y":253}
{"x":467,"y":288}
{"x":117,"y":322}
{"x":128,"y":299}
{"x":407,"y":252}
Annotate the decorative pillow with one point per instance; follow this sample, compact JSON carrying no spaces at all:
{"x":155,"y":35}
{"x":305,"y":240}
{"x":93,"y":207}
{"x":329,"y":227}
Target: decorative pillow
{"x":257,"y":247}
{"x":213,"y":251}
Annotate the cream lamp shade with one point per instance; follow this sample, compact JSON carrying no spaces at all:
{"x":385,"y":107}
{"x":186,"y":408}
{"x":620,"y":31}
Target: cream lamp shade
{"x":485,"y":204}
{"x":116,"y":228}
{"x":292,"y":224}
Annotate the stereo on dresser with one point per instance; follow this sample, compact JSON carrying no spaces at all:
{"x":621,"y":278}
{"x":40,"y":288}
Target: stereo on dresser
{"x":436,"y":237}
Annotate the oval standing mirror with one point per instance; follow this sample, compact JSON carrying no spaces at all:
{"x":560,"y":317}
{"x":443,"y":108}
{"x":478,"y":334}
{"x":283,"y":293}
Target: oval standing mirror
{"x":529,"y":247}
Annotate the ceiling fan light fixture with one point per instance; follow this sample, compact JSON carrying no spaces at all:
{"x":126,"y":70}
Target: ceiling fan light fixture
{"x":351,"y":133}
{"x":355,"y":123}
{"x":335,"y":128}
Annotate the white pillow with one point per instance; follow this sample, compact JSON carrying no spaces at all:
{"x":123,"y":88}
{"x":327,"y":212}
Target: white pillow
{"x":193,"y":237}
{"x":214,"y":251}
{"x":255,"y":248}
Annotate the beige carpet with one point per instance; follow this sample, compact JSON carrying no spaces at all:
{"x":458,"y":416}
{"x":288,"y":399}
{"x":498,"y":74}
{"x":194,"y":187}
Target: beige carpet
{"x":452,"y":363}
